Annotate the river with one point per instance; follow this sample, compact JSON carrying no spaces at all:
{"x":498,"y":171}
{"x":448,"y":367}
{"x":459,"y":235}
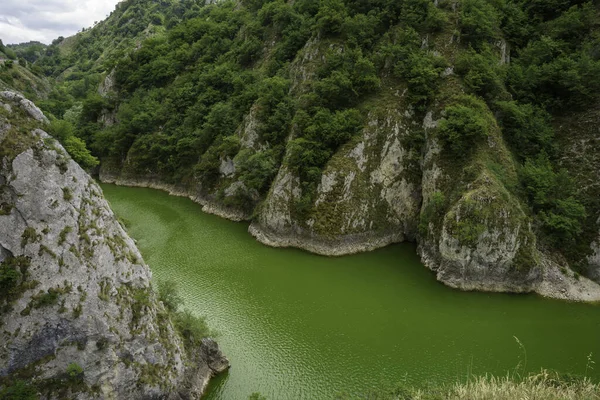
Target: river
{"x":300,"y":326}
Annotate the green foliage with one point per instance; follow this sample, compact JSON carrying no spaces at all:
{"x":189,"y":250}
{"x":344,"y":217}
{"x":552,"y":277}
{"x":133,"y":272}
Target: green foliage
{"x":75,"y":372}
{"x":481,"y":72}
{"x":19,"y":390}
{"x":205,"y":78}
{"x":551,"y":195}
{"x":191,"y":327}
{"x":432,"y":212}
{"x":564,"y":220}
{"x":526,"y":127}
{"x":64,"y":131}
{"x":465,"y":124}
{"x":29,"y":236}
{"x":257,"y":170}
{"x":80,"y":153}
{"x":479,"y":21}
{"x":422,"y":73}
{"x":140,"y":302}
{"x":322,"y":133}
{"x":168,"y":294}
{"x":345,"y":78}
{"x":67,"y":194}
{"x":331,"y":16}
{"x":9,"y":277}
{"x":550,"y":74}
{"x":13,"y":276}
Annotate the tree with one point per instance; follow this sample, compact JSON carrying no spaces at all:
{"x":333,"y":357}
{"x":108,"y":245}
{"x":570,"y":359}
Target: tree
{"x":465,"y":124}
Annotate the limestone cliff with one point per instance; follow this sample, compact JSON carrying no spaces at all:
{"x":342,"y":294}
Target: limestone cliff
{"x":368,"y":196}
{"x":394,"y":178}
{"x":78,"y":314}
{"x":386,"y":186}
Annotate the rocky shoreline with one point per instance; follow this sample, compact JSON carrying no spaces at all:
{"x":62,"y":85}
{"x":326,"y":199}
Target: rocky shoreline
{"x":350,"y":244}
{"x":80,"y":318}
{"x":548,"y":281}
{"x":208,"y":206}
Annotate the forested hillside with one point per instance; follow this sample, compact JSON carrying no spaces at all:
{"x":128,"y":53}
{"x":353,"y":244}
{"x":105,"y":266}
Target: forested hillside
{"x":344,"y":125}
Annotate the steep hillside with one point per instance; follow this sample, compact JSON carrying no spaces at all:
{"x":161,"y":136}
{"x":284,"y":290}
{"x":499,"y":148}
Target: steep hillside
{"x":78,"y":314}
{"x":15,"y":75}
{"x":343,"y":126}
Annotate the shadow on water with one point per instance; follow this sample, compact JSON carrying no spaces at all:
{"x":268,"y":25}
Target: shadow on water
{"x":300,"y":326}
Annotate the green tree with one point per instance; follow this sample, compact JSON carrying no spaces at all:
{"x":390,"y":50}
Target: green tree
{"x":464,"y":125}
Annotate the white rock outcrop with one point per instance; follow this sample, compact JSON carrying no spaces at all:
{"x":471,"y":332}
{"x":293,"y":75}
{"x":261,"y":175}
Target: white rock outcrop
{"x":80,"y":293}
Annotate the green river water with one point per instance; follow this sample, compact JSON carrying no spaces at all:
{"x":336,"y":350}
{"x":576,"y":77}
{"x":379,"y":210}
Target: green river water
{"x":299,"y":326}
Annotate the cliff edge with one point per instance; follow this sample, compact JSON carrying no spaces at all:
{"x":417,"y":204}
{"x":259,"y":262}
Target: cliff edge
{"x":78,"y":315}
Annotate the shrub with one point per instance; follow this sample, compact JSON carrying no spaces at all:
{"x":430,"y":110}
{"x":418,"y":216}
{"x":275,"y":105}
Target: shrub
{"x":19,"y":390}
{"x":526,"y":127}
{"x":191,"y":327}
{"x":481,"y":72}
{"x":551,"y":196}
{"x":564,"y":221}
{"x":480,"y":22}
{"x":422,"y":72}
{"x":168,"y":294}
{"x":464,"y":125}
{"x":29,"y":236}
{"x":258,"y":170}
{"x":433,"y":211}
{"x":75,"y":372}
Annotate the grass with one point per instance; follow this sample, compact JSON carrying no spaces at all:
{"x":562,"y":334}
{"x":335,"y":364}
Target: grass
{"x":544,"y":385}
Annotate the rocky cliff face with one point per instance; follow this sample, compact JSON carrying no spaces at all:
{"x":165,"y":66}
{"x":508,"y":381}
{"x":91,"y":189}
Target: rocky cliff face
{"x":395,"y":182}
{"x":78,"y":315}
{"x":396,"y":179}
{"x":368,"y":196}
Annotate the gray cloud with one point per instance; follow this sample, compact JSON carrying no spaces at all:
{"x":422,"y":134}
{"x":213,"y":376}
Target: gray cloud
{"x":45,"y":20}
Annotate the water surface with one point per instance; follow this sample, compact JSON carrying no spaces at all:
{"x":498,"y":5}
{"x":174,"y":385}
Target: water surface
{"x":299,"y":326}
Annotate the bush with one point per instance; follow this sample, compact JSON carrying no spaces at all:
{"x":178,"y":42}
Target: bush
{"x":64,"y":132}
{"x":526,"y":127}
{"x":480,"y":22}
{"x":331,"y":16}
{"x":481,"y":72}
{"x":432,"y":212}
{"x":551,"y":196}
{"x":258,"y":170}
{"x":464,"y":125}
{"x":564,"y":221}
{"x":422,"y":72}
{"x":168,"y":294}
{"x":191,"y":327}
{"x":19,"y":390}
{"x":345,"y":78}
{"x":75,"y":372}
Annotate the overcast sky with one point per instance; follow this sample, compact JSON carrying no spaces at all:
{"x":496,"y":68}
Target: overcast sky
{"x":45,"y":20}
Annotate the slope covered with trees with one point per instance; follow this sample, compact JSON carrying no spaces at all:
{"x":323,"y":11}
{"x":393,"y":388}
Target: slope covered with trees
{"x":448,"y":122}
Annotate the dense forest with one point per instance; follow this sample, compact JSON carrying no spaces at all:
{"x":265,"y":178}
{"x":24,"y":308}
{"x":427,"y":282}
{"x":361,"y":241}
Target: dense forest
{"x":178,"y":78}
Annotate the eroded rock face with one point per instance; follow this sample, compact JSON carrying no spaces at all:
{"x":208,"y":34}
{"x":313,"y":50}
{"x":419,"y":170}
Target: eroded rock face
{"x":82,"y":294}
{"x":483,"y":244}
{"x":367,"y":197}
{"x":396,"y":181}
{"x":25,"y":104}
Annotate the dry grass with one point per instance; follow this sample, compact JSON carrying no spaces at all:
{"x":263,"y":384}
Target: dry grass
{"x":542,"y":386}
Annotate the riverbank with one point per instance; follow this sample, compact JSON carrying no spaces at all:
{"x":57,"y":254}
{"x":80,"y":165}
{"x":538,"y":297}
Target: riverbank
{"x":209,"y":206}
{"x":331,"y":247}
{"x":553,"y":282}
{"x":545,"y":385}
